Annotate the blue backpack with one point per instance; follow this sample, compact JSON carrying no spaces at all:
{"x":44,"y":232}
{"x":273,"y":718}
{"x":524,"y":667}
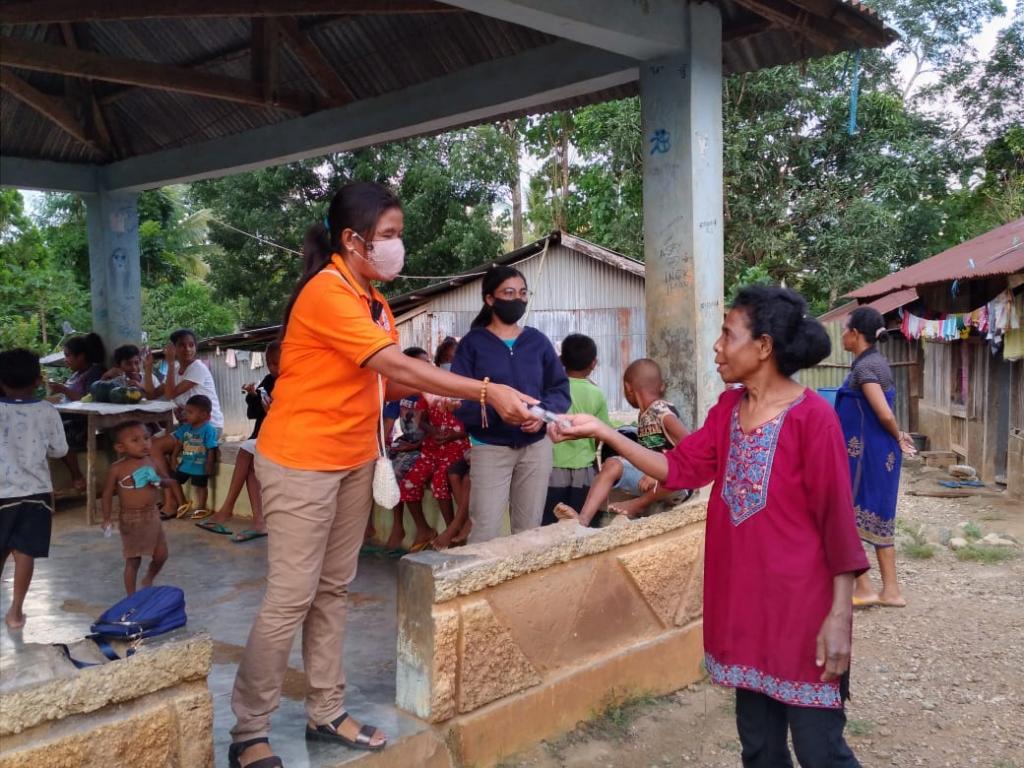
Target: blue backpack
{"x":150,"y":611}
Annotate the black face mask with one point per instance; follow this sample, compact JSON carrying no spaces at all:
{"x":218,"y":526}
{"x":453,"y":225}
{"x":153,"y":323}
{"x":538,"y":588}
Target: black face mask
{"x":509,"y":311}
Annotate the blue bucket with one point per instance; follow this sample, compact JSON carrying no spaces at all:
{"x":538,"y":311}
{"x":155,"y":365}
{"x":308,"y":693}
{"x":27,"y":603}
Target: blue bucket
{"x":829,"y":393}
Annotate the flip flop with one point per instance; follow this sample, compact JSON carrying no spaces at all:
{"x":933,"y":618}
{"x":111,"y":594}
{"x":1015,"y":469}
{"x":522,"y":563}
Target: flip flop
{"x":247,"y":535}
{"x":184,"y":509}
{"x":419,"y":547}
{"x":167,"y":516}
{"x":200,"y":514}
{"x":861,"y":602}
{"x":214,"y":528}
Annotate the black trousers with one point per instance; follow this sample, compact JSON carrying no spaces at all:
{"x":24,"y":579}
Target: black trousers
{"x":818,"y":740}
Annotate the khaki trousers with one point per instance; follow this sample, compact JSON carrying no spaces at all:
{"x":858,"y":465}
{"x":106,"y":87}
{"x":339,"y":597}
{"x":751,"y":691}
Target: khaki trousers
{"x":315,"y":522}
{"x":507,"y":478}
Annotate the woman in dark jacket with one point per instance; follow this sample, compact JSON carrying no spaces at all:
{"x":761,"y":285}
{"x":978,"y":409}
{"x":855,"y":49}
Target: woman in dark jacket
{"x":511,"y":464}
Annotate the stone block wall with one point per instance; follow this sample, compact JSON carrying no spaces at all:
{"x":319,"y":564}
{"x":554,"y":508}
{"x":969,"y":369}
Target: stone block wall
{"x":152,"y":709}
{"x":507,"y":642}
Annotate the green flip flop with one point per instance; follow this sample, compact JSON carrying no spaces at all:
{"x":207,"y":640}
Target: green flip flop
{"x":247,"y":535}
{"x":214,"y":528}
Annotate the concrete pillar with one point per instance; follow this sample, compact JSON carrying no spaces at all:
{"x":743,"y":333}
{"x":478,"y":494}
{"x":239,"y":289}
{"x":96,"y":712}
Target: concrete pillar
{"x":681,"y":105}
{"x":114,"y":270}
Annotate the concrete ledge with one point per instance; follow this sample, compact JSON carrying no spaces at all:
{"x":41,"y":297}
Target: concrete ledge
{"x":169,"y":728}
{"x":505,"y":643}
{"x":479,"y":566}
{"x":40,"y":685}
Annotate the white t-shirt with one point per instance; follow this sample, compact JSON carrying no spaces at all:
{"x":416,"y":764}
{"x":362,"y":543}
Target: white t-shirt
{"x":30,"y":432}
{"x":200,"y":375}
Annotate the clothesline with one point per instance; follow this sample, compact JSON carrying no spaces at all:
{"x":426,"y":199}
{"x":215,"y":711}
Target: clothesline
{"x":993,"y":320}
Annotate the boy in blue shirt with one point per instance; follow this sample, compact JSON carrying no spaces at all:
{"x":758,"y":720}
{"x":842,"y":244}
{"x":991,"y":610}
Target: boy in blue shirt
{"x":195,"y":453}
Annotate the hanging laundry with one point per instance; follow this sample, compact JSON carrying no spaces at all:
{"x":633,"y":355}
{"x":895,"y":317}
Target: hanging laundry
{"x":256,"y":361}
{"x":229,"y":359}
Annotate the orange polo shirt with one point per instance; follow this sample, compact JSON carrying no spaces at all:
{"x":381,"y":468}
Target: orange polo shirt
{"x":326,"y":405}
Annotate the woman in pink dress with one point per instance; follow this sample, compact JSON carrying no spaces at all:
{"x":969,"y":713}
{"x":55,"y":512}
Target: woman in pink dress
{"x":782,"y":549}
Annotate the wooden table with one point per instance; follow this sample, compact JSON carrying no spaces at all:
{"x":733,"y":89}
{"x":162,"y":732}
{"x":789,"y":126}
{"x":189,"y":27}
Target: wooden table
{"x":100,"y":416}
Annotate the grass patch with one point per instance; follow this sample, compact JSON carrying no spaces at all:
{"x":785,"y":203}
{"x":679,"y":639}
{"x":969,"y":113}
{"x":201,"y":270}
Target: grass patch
{"x":617,"y":715}
{"x":918,"y":547}
{"x":860,"y":727}
{"x":985,"y":555}
{"x":972,"y":531}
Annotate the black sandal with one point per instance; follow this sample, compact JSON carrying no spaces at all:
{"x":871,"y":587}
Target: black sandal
{"x":330,"y":733}
{"x":237,"y":748}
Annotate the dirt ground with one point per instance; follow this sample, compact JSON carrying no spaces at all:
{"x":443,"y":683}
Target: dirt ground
{"x":938,"y":684}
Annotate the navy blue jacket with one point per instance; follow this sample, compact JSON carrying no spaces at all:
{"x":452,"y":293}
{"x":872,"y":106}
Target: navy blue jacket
{"x":531,"y":366}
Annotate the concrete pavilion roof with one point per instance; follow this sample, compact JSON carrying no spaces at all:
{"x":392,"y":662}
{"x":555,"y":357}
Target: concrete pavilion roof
{"x":134,"y":93}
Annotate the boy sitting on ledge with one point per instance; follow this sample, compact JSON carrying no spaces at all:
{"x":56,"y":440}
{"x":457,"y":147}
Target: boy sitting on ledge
{"x":658,"y":428}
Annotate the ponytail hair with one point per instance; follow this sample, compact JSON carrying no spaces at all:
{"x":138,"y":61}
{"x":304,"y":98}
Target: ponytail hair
{"x":869,"y":323}
{"x":493,"y":278}
{"x":357,"y":206}
{"x":798,"y":340}
{"x":90,"y":345}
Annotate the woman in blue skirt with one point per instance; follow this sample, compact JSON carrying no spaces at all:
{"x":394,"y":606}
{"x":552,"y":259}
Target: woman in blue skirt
{"x":875,"y":446}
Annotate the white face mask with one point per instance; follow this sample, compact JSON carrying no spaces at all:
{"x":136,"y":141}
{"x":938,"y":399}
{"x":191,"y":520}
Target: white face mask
{"x":387,"y":257}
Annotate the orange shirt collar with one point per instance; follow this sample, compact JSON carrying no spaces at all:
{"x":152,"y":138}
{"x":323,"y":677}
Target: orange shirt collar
{"x":342,"y":267}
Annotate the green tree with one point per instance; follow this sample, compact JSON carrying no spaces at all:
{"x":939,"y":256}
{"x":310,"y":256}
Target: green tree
{"x":37,"y":292}
{"x":188,"y":305}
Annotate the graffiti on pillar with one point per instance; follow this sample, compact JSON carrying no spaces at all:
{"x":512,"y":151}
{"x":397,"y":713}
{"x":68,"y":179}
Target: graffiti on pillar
{"x":125,"y":220}
{"x":682,"y":72}
{"x":655,"y":69}
{"x":661,"y":142}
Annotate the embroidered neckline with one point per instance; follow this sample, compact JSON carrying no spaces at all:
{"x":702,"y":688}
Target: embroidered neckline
{"x":748,"y":468}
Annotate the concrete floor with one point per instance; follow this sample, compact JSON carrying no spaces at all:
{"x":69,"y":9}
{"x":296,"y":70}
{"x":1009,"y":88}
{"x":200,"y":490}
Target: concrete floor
{"x":223,"y":585}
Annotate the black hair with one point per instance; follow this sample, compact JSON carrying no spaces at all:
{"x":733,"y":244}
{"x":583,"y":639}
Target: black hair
{"x":19,"y":368}
{"x":200,"y":401}
{"x":181,"y":333}
{"x":116,"y":432}
{"x":357,"y":206}
{"x":869,"y":323}
{"x":578,"y":352}
{"x":273,"y":348}
{"x":90,"y":345}
{"x":799,"y":340}
{"x":415,"y":352}
{"x":493,"y":277}
{"x":125,"y":352}
{"x":450,"y":343}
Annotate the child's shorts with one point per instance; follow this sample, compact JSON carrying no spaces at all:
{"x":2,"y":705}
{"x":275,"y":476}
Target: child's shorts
{"x":631,"y":477}
{"x":198,"y":481}
{"x":141,"y":531}
{"x":249,"y":446}
{"x":25,"y":524}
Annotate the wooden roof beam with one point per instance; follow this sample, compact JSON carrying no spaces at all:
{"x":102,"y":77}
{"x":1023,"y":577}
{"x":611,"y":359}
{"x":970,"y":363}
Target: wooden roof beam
{"x":56,"y":11}
{"x":314,"y":61}
{"x":266,"y":56}
{"x":89,"y":64}
{"x":824,"y":33}
{"x":50,"y":107}
{"x":83,"y":90}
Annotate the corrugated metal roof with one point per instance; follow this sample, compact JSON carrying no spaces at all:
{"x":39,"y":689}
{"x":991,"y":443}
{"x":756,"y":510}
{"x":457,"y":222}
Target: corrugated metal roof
{"x":997,"y":252}
{"x":405,"y":301}
{"x":884,"y":304}
{"x":373,"y":55}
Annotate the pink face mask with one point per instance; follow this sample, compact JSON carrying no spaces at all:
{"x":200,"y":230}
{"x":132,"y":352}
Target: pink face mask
{"x":387,"y":257}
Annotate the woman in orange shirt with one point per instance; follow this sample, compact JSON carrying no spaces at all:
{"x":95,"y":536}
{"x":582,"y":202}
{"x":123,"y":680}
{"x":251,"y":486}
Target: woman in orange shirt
{"x":315,"y":457}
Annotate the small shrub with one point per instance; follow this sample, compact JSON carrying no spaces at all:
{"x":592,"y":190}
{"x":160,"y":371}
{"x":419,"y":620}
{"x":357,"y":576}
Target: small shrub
{"x":860,"y":727}
{"x":617,"y":715}
{"x":972,"y":531}
{"x":917,"y":551}
{"x":985,"y":555}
